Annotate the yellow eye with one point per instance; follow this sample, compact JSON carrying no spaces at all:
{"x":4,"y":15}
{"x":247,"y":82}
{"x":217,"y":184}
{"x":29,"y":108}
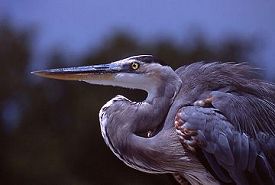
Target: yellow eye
{"x":135,"y":65}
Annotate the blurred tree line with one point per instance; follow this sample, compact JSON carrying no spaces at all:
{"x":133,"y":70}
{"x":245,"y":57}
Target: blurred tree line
{"x":49,"y":130}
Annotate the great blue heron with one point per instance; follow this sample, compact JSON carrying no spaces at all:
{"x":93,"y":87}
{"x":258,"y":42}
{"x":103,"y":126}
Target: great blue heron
{"x":206,"y":123}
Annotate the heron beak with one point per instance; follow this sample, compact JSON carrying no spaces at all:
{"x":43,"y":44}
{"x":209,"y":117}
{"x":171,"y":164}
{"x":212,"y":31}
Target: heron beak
{"x":84,"y":73}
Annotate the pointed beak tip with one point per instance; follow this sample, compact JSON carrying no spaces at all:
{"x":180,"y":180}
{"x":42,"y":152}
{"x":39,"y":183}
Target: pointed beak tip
{"x":48,"y":74}
{"x":38,"y":73}
{"x":34,"y":72}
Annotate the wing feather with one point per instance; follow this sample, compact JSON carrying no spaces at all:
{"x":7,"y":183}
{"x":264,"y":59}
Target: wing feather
{"x":237,"y":131}
{"x":233,"y":155}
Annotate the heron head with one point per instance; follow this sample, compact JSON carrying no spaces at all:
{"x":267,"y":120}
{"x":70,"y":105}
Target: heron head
{"x":143,"y":72}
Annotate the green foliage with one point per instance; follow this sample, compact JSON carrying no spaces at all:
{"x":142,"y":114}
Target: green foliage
{"x":56,"y":137}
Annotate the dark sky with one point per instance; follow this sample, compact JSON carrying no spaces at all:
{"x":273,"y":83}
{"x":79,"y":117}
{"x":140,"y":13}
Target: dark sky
{"x":79,"y":25}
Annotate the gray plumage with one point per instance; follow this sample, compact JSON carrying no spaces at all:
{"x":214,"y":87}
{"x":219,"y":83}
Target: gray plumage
{"x":237,"y":134}
{"x":208,"y":123}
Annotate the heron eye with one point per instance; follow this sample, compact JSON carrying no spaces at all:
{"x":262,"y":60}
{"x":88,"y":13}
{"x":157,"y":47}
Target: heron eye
{"x":135,"y":65}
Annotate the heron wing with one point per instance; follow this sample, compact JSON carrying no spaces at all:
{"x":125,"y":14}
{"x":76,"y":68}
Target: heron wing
{"x":232,"y":156}
{"x":248,"y":113}
{"x":236,"y":130}
{"x":247,"y":102}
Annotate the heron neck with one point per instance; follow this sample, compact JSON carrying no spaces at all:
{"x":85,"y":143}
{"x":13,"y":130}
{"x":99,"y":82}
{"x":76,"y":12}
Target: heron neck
{"x":165,"y":89}
{"x":151,"y":113}
{"x":130,"y":119}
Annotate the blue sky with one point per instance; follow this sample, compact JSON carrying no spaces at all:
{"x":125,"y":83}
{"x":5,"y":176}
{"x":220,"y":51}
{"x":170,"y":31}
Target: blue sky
{"x":79,"y":25}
